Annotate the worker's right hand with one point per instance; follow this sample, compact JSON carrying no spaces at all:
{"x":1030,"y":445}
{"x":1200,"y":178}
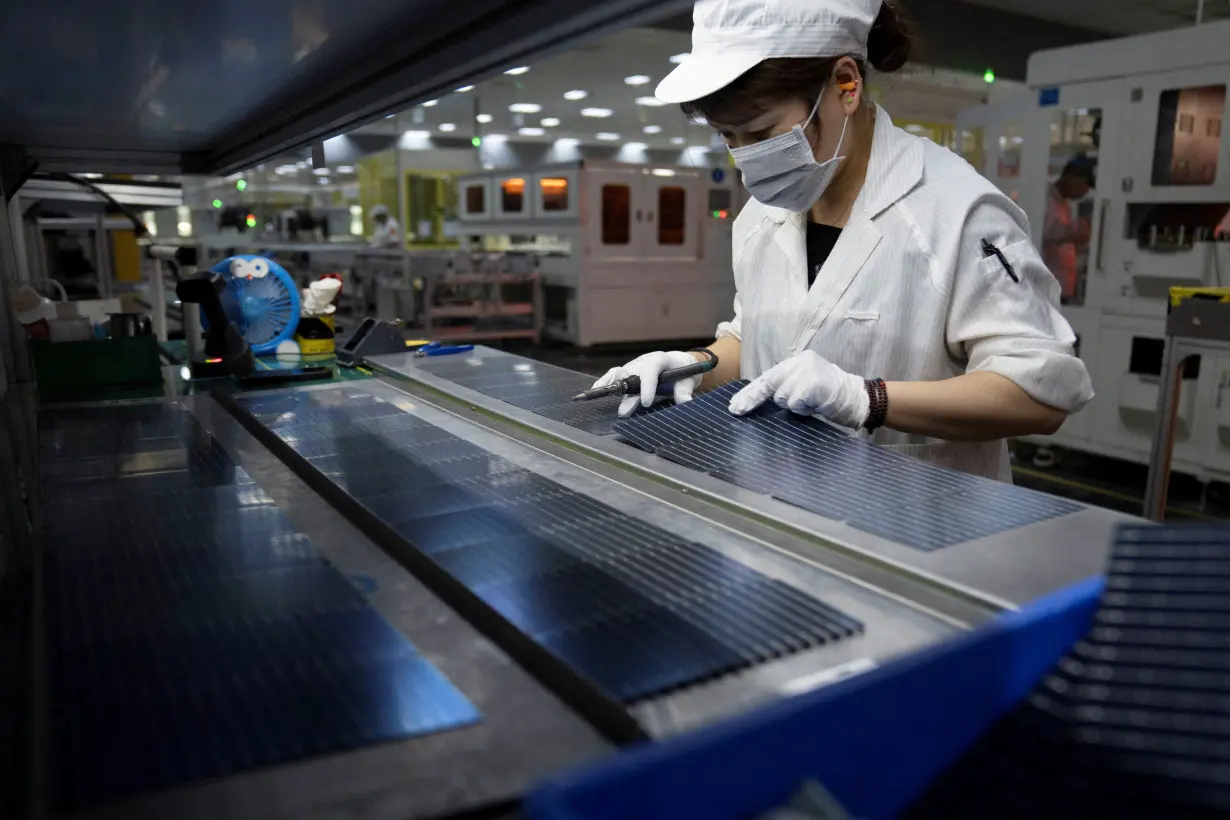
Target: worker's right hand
{"x":648,"y":368}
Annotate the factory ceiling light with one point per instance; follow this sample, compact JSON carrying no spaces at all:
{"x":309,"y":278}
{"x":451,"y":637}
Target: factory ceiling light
{"x":576,"y":94}
{"x":550,"y":122}
{"x":530,"y":131}
{"x":430,"y":103}
{"x":652,"y":102}
{"x":607,"y":136}
{"x":518,"y":70}
{"x":679,"y":58}
{"x":483,"y":118}
{"x":525,"y":108}
{"x":465,"y":88}
{"x":447,"y":126}
{"x":653,"y":129}
{"x":637,"y":79}
{"x":596,"y":112}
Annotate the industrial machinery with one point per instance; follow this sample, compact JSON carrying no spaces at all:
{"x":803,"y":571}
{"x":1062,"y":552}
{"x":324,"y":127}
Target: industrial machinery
{"x":627,"y":252}
{"x":1148,"y":113}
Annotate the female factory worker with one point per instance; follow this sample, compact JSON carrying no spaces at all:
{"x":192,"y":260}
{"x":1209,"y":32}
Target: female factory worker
{"x":881,"y":283}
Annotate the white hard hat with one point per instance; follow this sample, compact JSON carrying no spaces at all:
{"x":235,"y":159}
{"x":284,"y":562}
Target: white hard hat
{"x":380,"y":210}
{"x":730,"y":37}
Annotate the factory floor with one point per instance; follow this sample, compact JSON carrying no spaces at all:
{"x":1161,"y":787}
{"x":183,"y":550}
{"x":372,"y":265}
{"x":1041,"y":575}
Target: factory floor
{"x":1105,"y":482}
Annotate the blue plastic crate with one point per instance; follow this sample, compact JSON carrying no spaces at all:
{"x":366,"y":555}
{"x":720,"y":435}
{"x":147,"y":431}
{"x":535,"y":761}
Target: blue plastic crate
{"x":875,"y":741}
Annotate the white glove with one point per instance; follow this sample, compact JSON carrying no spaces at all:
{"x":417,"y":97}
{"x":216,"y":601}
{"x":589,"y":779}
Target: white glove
{"x":810,"y":385}
{"x":648,"y":368}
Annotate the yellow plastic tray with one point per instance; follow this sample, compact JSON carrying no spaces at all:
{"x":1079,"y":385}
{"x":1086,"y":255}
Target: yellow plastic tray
{"x":1180,"y":295}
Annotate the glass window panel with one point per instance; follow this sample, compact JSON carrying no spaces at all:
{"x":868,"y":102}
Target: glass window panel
{"x":1188,"y":135}
{"x":672,"y":215}
{"x":512,"y":195}
{"x":1076,"y":136}
{"x":554,"y":193}
{"x":476,"y":200}
{"x":616,"y":214}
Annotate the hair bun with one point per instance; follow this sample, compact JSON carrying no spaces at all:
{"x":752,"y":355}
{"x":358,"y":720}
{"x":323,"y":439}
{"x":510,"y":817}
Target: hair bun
{"x":891,"y":38}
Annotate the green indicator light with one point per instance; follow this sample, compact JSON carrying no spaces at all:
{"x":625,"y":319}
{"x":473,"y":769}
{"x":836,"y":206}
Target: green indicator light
{"x":217,"y":203}
{"x":476,"y":141}
{"x":988,"y":76}
{"x":241,"y":184}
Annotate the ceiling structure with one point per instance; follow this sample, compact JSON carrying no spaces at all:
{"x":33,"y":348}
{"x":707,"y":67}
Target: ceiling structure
{"x":970,"y":35}
{"x":1113,"y":16}
{"x":205,"y":86}
{"x":617,"y":75}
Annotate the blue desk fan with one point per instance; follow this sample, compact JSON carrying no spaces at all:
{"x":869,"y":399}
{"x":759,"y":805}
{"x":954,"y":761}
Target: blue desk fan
{"x":261,"y":299}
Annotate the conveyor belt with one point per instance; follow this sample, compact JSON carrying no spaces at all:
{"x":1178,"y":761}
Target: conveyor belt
{"x":637,"y":610}
{"x":191,"y":631}
{"x":1135,"y":721}
{"x":810,"y":464}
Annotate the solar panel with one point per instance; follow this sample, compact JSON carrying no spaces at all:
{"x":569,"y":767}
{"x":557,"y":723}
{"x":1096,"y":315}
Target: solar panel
{"x":192,"y":632}
{"x":541,"y":388}
{"x":1135,"y":720}
{"x":634,"y":608}
{"x":805,"y":462}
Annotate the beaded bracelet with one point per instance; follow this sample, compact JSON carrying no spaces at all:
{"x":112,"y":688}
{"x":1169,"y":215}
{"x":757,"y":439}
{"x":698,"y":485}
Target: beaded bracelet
{"x":878,"y":413}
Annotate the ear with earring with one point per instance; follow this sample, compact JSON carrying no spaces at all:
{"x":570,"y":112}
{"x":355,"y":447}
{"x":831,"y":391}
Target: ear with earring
{"x":848,"y":89}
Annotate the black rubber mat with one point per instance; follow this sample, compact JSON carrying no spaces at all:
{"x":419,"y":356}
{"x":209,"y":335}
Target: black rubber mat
{"x":191,"y":631}
{"x":637,"y":610}
{"x":810,"y":464}
{"x":1135,"y":720}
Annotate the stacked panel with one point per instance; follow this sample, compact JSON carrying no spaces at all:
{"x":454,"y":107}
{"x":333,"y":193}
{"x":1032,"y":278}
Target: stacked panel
{"x":1135,"y":721}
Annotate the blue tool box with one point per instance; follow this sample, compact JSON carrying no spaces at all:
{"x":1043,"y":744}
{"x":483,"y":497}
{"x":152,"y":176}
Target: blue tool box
{"x":876,"y":741}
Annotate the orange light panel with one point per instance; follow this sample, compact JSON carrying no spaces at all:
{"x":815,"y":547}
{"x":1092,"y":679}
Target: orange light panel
{"x":513,"y":186}
{"x":553,"y":184}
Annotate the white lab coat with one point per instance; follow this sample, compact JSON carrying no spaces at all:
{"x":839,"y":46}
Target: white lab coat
{"x":907,"y":295}
{"x":387,"y":235}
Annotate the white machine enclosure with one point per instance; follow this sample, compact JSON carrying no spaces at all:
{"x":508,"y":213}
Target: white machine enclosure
{"x":628,"y":252}
{"x":1149,"y":113}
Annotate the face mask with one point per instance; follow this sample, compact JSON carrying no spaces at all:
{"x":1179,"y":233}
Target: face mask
{"x":782,"y":172}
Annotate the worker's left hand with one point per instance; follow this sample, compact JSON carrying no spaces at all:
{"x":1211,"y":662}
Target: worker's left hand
{"x":810,"y":385}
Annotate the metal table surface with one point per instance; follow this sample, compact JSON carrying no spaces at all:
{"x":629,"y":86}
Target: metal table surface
{"x":999,"y":572}
{"x":525,"y":733}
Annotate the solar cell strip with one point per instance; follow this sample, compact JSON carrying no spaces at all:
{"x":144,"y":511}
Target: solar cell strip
{"x":562,"y":567}
{"x":810,"y":464}
{"x":1139,"y":710}
{"x":192,"y":632}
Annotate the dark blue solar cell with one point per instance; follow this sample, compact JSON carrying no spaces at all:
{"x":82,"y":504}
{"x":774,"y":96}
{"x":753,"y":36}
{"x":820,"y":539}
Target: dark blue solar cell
{"x":560,"y":565}
{"x":810,"y":464}
{"x":192,"y":632}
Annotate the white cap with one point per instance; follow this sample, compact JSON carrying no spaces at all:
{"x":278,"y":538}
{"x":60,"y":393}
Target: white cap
{"x":380,"y":210}
{"x":730,"y":37}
